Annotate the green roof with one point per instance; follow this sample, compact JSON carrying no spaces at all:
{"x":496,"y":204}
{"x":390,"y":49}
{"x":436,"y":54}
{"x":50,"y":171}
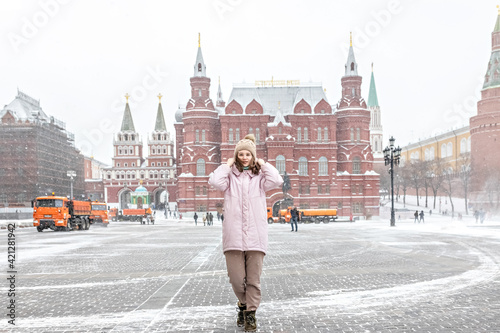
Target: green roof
{"x":372,"y":96}
{"x":497,"y":25}
{"x":127,"y":123}
{"x":160,"y":120}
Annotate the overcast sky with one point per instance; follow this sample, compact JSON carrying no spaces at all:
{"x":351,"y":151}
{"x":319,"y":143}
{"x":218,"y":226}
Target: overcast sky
{"x":81,"y":57}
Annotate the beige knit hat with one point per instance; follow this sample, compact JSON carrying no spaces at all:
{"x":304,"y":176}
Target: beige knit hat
{"x":248,"y":143}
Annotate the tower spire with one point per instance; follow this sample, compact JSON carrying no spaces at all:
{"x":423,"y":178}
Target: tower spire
{"x":372,"y":95}
{"x":160,"y":119}
{"x":127,"y":122}
{"x":199,"y":67}
{"x":351,"y":67}
{"x":220,"y":102}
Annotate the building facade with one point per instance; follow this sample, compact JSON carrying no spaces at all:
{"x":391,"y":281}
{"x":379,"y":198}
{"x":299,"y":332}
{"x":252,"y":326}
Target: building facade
{"x":324,"y":150}
{"x":132,"y":169}
{"x":36,"y":154}
{"x":452,"y":147}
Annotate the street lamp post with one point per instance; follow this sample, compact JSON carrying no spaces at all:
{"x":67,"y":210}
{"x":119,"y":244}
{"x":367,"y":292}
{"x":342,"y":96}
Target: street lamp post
{"x":71,"y":174}
{"x":392,"y":156}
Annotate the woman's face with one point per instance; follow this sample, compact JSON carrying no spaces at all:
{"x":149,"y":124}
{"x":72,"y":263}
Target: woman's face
{"x":245,"y":157}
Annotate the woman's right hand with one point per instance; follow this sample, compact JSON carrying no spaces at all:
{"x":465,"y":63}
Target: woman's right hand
{"x":230,"y":162}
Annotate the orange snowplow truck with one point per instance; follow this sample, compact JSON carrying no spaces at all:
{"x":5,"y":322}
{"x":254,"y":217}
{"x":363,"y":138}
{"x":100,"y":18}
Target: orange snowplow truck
{"x":61,"y":214}
{"x":99,"y":213}
{"x":306,"y":215}
{"x":142,"y":215}
{"x":317,"y":215}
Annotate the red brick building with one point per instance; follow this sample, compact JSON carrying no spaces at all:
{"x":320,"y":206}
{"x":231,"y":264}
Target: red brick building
{"x":325,"y":150}
{"x":131,"y":169}
{"x":485,"y":134}
{"x":94,"y":183}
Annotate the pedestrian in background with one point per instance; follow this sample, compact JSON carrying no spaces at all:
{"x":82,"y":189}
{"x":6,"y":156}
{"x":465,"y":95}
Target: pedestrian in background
{"x":244,"y":179}
{"x":211,"y":219}
{"x":295,"y":217}
{"x":416,"y":217}
{"x":421,"y":216}
{"x":195,"y":218}
{"x":204,"y":218}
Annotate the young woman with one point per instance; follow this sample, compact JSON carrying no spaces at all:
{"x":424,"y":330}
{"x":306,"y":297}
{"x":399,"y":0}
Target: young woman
{"x":244,"y":179}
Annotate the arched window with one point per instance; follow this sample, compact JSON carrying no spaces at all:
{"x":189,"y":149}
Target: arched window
{"x":200,"y":167}
{"x":376,"y":144}
{"x":203,"y":136}
{"x":352,"y":66}
{"x":257,"y":135}
{"x":323,"y":166}
{"x":426,"y":154}
{"x":302,"y":166}
{"x":319,"y":134}
{"x":358,"y":134}
{"x":231,"y":140}
{"x":199,"y":67}
{"x":449,"y":149}
{"x":463,"y":146}
{"x":197,"y":138}
{"x":280,"y":164}
{"x":306,"y":135}
{"x":352,"y":134}
{"x":325,"y":135}
{"x":443,"y":150}
{"x":299,"y":135}
{"x":356,"y":165}
{"x":237,"y":134}
{"x":250,"y":130}
{"x":131,"y":150}
{"x":431,"y":154}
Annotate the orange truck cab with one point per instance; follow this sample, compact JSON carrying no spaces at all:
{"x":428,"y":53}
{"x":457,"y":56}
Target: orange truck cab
{"x":60,"y":214}
{"x":113,"y":213}
{"x":99,"y":213}
{"x":284,"y":216}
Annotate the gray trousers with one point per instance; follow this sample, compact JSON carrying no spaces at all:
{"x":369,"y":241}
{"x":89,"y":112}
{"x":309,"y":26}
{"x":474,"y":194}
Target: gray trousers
{"x":244,"y":270}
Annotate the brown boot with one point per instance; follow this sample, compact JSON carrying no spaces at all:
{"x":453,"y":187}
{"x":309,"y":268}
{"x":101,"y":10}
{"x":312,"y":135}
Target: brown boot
{"x":240,"y":321}
{"x":250,"y":321}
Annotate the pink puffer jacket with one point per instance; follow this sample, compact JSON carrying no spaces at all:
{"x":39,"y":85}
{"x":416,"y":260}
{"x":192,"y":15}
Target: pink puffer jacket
{"x":245,"y":211}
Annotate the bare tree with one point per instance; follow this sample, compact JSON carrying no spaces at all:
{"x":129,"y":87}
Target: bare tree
{"x":436,"y":169}
{"x":464,"y":173}
{"x":448,"y":186}
{"x":426,"y":175}
{"x":415,"y":173}
{"x":404,"y":181}
{"x":385,"y":181}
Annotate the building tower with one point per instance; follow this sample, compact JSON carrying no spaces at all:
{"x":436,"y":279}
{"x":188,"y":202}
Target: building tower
{"x":160,"y":162}
{"x":376,"y":133}
{"x":200,"y":130}
{"x":127,"y":143}
{"x":485,"y":133}
{"x":353,"y":125}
